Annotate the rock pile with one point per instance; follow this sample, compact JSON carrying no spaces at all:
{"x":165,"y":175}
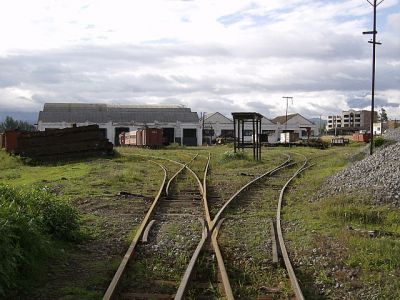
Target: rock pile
{"x":393,"y":134}
{"x":378,"y":174}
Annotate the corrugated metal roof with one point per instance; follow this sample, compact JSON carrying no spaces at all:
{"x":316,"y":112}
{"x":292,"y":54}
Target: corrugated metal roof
{"x":103,"y":113}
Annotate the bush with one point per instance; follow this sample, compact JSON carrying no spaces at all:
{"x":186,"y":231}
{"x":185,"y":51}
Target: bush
{"x":379,"y":141}
{"x":30,"y":221}
{"x":231,"y":155}
{"x":174,"y":146}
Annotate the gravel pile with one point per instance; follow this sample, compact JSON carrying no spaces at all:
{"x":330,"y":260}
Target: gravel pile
{"x":393,"y":134}
{"x":378,"y":174}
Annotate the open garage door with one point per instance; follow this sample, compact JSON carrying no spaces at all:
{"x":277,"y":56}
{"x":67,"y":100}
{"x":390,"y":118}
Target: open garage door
{"x":118,"y":131}
{"x":168,"y":135}
{"x":189,"y":137}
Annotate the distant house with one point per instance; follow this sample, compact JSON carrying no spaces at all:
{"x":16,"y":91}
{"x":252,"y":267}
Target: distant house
{"x":216,"y":125}
{"x":296,"y":123}
{"x":180,"y":124}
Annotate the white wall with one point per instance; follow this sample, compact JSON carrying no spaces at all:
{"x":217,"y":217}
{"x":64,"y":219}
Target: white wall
{"x":110,"y":127}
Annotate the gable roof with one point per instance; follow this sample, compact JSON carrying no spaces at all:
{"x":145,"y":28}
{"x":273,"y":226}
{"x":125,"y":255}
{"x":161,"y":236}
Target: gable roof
{"x":103,"y":113}
{"x":211,"y":116}
{"x":282,"y":119}
{"x":266,"y":121}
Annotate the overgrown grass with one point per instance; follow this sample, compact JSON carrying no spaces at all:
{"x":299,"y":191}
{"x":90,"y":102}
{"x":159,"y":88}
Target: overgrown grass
{"x":30,"y":221}
{"x":326,"y":224}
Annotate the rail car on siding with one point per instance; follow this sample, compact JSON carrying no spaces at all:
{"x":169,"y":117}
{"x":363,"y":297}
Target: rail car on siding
{"x":146,"y":137}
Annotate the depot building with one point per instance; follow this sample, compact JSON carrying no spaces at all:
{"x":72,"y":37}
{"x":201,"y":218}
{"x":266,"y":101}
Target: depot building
{"x":180,"y":125}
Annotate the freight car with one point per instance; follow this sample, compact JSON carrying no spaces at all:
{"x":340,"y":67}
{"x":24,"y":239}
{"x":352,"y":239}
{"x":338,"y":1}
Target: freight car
{"x":361,"y":137}
{"x":146,"y":137}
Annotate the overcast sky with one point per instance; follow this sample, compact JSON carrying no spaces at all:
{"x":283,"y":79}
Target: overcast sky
{"x":231,"y":55}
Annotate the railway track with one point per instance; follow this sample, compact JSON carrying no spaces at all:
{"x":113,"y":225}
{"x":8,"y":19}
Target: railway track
{"x":249,"y":207}
{"x":174,"y":220}
{"x":184,"y":210}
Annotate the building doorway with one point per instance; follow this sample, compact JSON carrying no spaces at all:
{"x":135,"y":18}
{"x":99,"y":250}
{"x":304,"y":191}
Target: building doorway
{"x":189,"y":137}
{"x":168,"y":136}
{"x":118,"y":131}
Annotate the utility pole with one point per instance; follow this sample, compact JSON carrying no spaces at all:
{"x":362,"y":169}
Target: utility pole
{"x":374,"y":4}
{"x":287,"y":104}
{"x":320,"y":125}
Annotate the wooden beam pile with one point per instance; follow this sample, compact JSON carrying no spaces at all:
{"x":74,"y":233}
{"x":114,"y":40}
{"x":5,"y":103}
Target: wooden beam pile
{"x":59,"y":144}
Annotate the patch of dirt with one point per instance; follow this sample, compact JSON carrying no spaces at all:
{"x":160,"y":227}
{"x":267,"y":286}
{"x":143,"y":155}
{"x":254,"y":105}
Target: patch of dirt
{"x":109,"y":222}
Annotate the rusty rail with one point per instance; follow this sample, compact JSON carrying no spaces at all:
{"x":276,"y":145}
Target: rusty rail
{"x":293,"y":279}
{"x":177,"y":173}
{"x":129,"y":253}
{"x":214,"y":229}
{"x":268,"y":173}
{"x":205,"y":201}
{"x":220,"y":261}
{"x":189,"y":270}
{"x":110,"y":293}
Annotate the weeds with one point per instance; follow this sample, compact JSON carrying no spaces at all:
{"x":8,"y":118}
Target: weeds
{"x":30,"y":220}
{"x":231,"y":155}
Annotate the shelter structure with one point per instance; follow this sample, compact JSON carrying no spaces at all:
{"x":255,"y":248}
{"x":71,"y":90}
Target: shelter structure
{"x":242,"y":139}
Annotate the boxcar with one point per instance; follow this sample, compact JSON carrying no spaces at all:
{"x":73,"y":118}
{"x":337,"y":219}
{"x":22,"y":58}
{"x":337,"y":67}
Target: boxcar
{"x":151,"y":137}
{"x":121,"y":138}
{"x":361,"y":137}
{"x":130,"y":138}
{"x":11,"y":140}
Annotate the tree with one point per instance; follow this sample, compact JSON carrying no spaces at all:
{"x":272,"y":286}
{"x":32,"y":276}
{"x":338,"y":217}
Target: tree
{"x":10,"y":123}
{"x":383,"y":115}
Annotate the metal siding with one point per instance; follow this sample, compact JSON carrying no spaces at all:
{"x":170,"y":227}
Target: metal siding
{"x":100,"y":114}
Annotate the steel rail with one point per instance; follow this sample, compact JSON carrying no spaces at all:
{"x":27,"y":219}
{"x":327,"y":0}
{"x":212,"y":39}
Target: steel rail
{"x":221,"y":266}
{"x":292,"y":276}
{"x":177,"y":173}
{"x":189,"y":270}
{"x":129,"y":253}
{"x":268,"y":173}
{"x":205,"y":201}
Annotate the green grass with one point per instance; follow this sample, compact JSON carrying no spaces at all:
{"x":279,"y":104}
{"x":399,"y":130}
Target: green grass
{"x":322,"y":223}
{"x":325,"y":221}
{"x":31,"y":221}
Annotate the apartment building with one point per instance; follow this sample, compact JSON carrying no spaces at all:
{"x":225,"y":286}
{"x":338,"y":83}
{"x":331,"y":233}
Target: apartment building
{"x":350,"y":121}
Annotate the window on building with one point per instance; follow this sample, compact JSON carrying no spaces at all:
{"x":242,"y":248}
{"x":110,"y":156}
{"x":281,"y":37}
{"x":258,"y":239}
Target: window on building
{"x":227,"y":133}
{"x":208,"y":132}
{"x":248,"y":132}
{"x":269,"y":132}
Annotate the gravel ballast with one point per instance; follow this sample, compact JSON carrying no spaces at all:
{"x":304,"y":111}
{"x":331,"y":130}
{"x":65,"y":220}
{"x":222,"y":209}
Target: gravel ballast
{"x":378,"y":174}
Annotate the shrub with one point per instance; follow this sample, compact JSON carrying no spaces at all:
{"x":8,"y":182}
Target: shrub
{"x":231,"y":155}
{"x":30,"y":220}
{"x":174,"y":146}
{"x":379,"y":141}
